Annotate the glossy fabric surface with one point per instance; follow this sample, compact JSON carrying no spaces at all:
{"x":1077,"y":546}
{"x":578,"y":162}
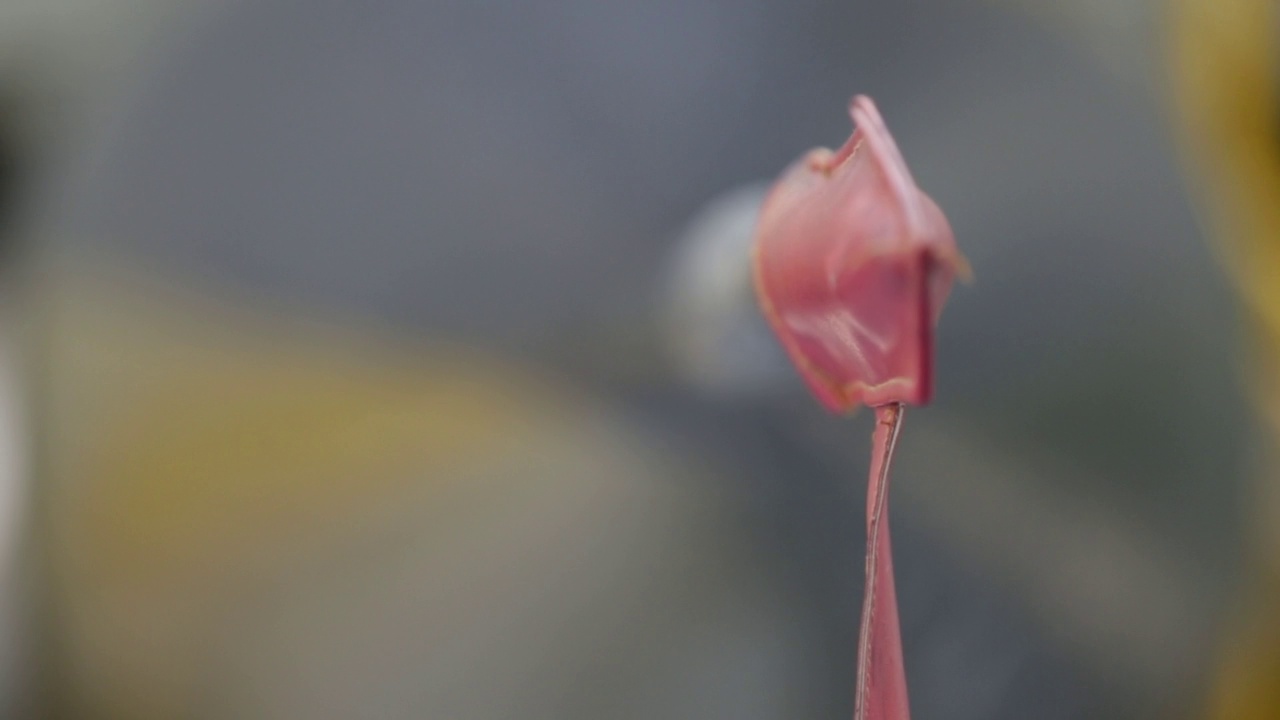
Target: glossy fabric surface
{"x":853,"y":263}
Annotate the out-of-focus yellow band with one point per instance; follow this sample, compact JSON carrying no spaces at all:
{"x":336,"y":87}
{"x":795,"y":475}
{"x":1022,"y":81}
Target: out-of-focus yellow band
{"x":1224,"y":80}
{"x":193,"y":451}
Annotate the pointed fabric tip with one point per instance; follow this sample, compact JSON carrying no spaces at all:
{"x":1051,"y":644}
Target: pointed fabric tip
{"x":852,"y":265}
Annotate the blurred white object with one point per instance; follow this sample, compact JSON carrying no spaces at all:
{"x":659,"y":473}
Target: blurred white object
{"x":711,"y":325}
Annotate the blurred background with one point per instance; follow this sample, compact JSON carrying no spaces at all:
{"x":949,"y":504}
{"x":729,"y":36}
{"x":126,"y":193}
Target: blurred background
{"x":398,"y":359}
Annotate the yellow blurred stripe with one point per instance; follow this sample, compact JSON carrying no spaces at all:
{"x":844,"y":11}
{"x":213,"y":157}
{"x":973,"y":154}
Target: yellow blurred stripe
{"x":1224,"y":76}
{"x":194,"y":450}
{"x":196,"y":427}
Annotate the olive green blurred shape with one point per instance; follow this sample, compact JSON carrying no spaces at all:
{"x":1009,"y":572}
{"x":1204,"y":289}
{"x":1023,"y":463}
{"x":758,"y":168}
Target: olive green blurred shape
{"x":254,"y":518}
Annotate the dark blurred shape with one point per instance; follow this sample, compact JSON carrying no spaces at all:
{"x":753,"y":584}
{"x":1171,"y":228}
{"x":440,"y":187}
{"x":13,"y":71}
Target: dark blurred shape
{"x":10,"y":173}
